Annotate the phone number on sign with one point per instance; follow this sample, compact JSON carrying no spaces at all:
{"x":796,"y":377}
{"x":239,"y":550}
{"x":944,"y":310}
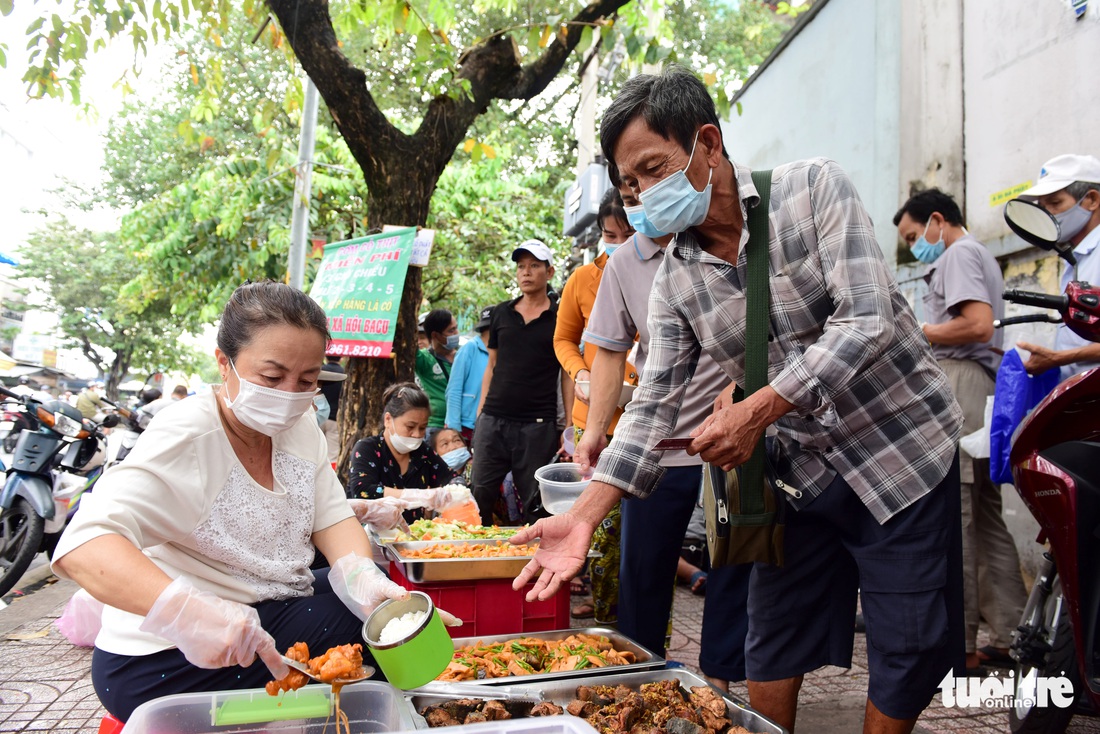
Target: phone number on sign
{"x":353,"y":349}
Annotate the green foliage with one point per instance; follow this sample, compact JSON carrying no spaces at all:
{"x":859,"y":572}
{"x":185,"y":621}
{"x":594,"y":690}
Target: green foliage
{"x":210,"y":200}
{"x":724,"y":44}
{"x":209,"y":189}
{"x":83,"y":273}
{"x":480,"y":215}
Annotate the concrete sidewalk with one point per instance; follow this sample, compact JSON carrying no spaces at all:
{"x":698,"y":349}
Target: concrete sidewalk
{"x":45,"y":683}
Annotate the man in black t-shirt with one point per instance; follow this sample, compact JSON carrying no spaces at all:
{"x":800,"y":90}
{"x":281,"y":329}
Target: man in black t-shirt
{"x":517,"y":428}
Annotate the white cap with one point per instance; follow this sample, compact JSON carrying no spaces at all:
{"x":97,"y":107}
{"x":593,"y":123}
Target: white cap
{"x":1061,"y":171}
{"x":326,"y":375}
{"x":536,"y":248}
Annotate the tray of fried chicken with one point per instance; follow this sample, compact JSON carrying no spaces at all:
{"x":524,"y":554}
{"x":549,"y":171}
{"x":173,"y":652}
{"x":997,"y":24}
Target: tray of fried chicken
{"x":669,"y":701}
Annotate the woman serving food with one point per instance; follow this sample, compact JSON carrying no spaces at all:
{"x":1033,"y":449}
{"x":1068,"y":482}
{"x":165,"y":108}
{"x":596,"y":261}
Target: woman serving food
{"x":200,"y":543}
{"x":397,"y":463}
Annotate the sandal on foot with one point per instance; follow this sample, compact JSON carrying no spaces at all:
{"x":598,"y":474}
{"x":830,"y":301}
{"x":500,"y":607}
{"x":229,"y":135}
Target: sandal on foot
{"x":990,"y":655}
{"x":578,"y":586}
{"x":584,"y":610}
{"x":699,"y":583}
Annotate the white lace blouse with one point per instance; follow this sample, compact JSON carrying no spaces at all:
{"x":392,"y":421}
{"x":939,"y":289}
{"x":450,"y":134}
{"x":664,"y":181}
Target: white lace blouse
{"x":184,"y":498}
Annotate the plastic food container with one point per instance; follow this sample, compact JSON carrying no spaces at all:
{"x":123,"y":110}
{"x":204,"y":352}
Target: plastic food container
{"x":560,"y":485}
{"x":536,"y":725}
{"x":370,"y":706}
{"x":418,"y":657}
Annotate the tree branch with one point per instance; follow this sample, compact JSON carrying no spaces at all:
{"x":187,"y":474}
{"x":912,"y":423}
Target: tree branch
{"x":309,"y":30}
{"x":539,"y":73}
{"x":494,"y":71}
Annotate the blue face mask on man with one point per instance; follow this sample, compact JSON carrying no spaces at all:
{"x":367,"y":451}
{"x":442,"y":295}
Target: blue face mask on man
{"x":926,"y":251}
{"x":673,"y":204}
{"x":453,"y":342}
{"x":640,"y":222}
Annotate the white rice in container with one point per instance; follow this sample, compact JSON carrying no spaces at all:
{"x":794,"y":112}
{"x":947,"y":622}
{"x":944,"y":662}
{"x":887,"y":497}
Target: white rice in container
{"x":401,"y":627}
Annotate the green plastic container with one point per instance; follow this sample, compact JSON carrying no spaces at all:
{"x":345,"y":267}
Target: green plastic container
{"x":422,"y":655}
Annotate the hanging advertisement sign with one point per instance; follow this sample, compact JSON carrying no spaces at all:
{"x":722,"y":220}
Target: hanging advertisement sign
{"x":359,"y":284}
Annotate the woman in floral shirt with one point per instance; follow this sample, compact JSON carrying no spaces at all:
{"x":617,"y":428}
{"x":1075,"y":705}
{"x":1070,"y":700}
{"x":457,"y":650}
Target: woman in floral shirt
{"x":398,"y":463}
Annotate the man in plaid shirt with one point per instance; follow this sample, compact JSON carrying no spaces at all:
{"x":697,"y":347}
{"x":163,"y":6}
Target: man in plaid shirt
{"x":865,"y":420}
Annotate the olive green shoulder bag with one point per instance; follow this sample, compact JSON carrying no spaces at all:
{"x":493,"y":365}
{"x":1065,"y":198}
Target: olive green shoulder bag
{"x":743,"y":513}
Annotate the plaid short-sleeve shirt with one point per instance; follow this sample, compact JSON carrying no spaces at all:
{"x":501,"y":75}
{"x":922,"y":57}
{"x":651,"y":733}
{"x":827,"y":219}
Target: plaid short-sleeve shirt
{"x":844,"y":348}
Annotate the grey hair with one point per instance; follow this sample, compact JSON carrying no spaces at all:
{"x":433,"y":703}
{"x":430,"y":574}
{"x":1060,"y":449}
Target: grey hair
{"x":256,"y":306}
{"x":1078,"y":189}
{"x":674,"y":104}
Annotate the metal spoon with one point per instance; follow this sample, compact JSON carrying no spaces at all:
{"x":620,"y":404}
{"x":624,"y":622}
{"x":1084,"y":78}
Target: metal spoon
{"x":302,"y":668}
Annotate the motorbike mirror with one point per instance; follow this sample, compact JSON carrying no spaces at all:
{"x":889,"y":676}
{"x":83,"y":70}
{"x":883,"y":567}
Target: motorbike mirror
{"x":1036,"y":226}
{"x":110,"y":420}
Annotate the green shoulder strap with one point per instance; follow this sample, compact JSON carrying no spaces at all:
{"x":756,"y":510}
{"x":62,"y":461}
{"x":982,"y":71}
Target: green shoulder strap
{"x":757,"y":301}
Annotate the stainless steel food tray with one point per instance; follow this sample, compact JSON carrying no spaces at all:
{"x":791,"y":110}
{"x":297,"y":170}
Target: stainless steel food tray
{"x":380,"y":540}
{"x":562,"y":692}
{"x":430,"y":570}
{"x":399,"y":548}
{"x":644,"y":659}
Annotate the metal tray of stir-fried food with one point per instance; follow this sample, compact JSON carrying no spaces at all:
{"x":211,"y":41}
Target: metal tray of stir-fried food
{"x":402,"y":548}
{"x":644,"y":659}
{"x":428,"y":570}
{"x":502,"y":532}
{"x":564,"y":692}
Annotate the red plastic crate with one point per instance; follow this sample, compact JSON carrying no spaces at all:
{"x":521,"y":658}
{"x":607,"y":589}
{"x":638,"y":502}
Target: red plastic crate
{"x":491,"y":606}
{"x":110,"y":725}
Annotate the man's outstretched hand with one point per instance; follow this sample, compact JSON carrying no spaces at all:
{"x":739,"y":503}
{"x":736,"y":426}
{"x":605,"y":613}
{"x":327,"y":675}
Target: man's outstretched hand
{"x":563,"y":546}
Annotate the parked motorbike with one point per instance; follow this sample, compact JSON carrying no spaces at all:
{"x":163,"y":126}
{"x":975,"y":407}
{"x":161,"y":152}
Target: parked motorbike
{"x":52,"y":466}
{"x":15,"y":420}
{"x":122,"y":439}
{"x":1055,"y":462}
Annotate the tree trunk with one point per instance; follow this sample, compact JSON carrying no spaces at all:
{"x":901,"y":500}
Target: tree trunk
{"x":401,"y":170}
{"x":404,"y":204}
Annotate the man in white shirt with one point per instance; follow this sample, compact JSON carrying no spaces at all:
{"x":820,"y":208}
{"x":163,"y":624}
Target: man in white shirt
{"x":1069,"y":188}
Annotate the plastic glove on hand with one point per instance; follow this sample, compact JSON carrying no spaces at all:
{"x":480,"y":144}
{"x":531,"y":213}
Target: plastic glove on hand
{"x":432,"y":499}
{"x":383,"y":514}
{"x":449,"y":620}
{"x":361,"y":586}
{"x":210,"y":631}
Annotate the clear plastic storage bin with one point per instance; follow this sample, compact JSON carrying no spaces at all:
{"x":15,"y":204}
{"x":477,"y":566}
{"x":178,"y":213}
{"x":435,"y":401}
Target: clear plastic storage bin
{"x":370,"y":707}
{"x":536,"y":725}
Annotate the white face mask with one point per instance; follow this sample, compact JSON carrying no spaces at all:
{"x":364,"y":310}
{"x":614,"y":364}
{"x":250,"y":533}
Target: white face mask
{"x":266,"y":409}
{"x":403,"y":444}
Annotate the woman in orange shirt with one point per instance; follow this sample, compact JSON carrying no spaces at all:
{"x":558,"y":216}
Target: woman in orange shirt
{"x":576,"y":356}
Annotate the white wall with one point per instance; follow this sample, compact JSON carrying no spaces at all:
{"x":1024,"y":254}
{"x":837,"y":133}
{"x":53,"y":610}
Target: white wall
{"x":1031,"y":94}
{"x":832,"y":92}
{"x":930,"y":99}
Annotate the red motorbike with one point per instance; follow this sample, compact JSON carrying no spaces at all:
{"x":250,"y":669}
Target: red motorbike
{"x":1055,"y":462}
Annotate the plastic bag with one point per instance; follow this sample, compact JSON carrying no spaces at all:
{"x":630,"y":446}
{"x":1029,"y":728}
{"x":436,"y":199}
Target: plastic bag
{"x":1017,"y":393}
{"x":976,"y":444}
{"x":81,"y":620}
